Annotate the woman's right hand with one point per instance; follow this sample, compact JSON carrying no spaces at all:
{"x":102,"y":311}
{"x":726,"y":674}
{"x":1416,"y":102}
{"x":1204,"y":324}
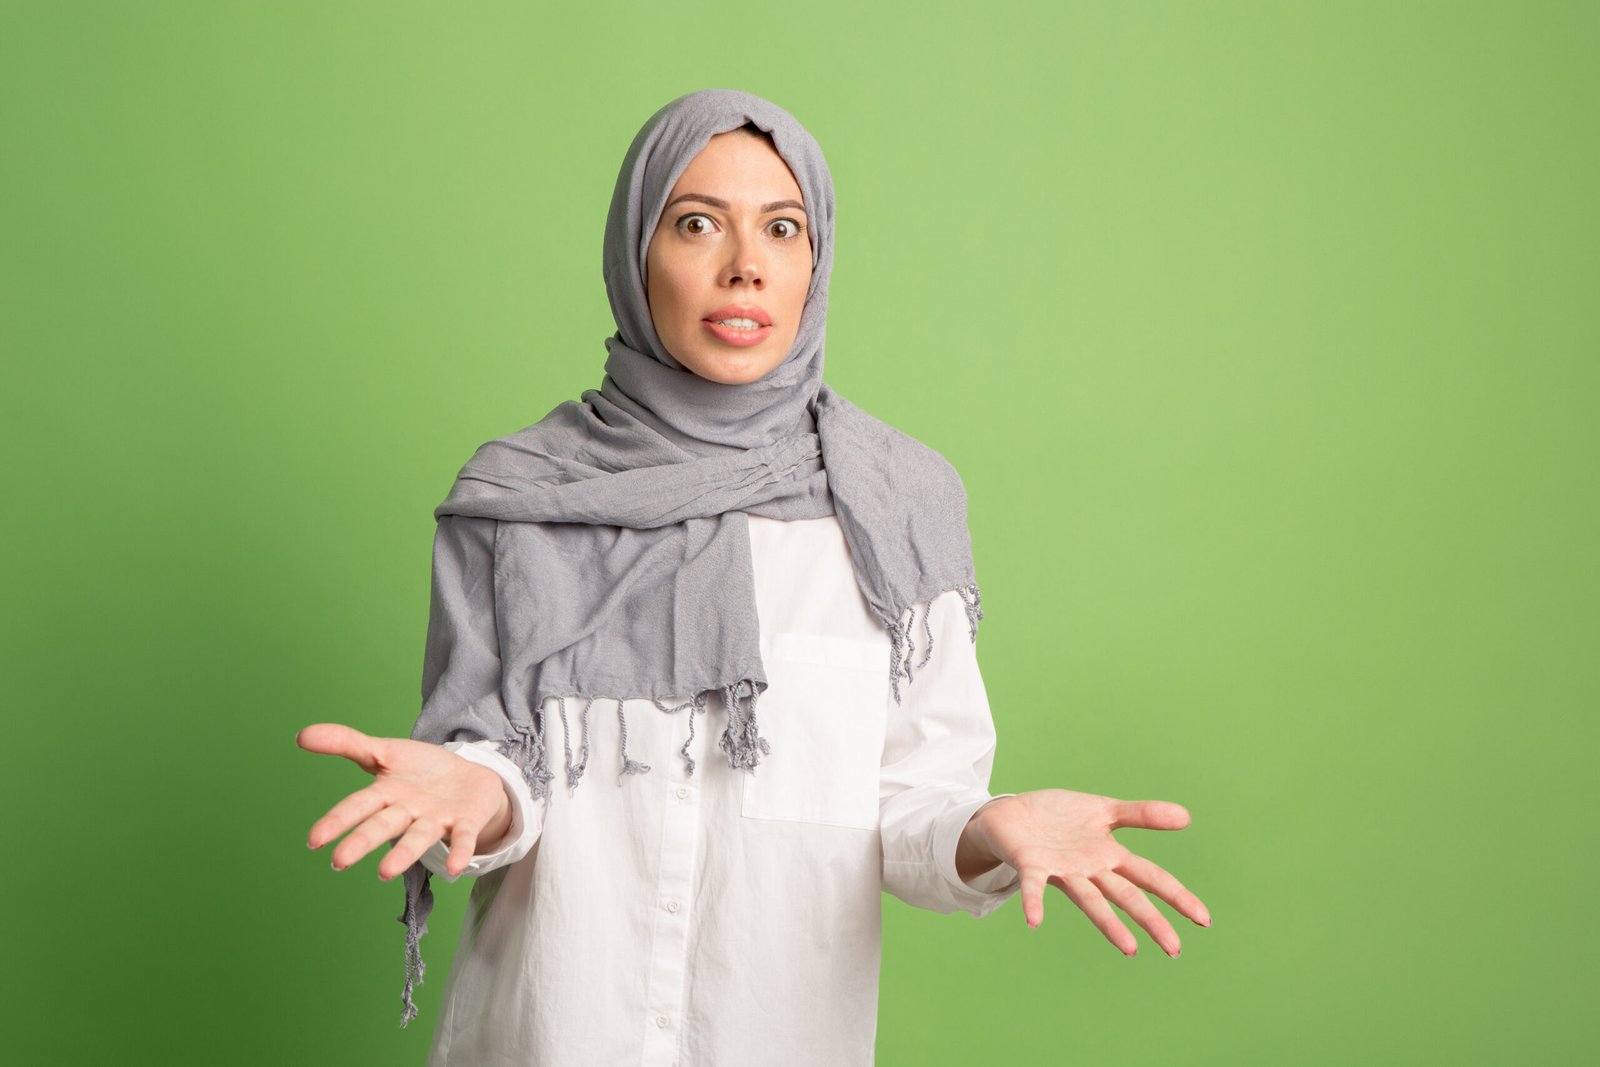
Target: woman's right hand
{"x":420,"y":793}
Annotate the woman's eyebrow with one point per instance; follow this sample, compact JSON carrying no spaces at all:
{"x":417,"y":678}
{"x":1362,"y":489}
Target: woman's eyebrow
{"x":723,"y":204}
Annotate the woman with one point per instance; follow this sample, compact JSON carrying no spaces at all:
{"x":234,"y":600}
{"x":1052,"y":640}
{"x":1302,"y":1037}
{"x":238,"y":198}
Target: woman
{"x":713,"y":536}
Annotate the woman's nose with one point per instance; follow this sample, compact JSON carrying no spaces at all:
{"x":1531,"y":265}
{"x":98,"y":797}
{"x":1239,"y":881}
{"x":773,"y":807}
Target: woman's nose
{"x":743,"y":267}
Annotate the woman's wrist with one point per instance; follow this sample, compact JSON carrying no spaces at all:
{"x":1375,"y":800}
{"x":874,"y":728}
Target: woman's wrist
{"x":491,"y":838}
{"x":974,"y":856}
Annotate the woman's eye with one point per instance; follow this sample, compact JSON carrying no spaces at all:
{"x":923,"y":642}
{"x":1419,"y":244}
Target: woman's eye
{"x":696,"y":224}
{"x":783,"y":229}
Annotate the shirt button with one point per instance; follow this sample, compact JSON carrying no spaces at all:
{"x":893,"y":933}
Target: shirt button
{"x":661,"y":1021}
{"x":683,"y":791}
{"x":672,"y":906}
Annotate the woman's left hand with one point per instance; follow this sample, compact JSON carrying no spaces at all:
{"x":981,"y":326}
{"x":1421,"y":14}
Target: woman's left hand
{"x":1063,"y":838}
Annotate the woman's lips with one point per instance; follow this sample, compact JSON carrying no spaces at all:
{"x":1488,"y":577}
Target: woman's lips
{"x":739,"y":324}
{"x":734,"y":336}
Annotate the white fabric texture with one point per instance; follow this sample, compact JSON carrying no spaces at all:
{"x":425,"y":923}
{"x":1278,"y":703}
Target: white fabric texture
{"x":730,"y":916}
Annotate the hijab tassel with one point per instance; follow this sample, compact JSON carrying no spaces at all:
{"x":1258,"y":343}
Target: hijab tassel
{"x":696,"y":703}
{"x":969,"y":597}
{"x":901,"y":648}
{"x":419,"y":905}
{"x":902,"y":645}
{"x":740,"y":739}
{"x":575,"y":772}
{"x":897,"y":641}
{"x":526,"y":748}
{"x":629,"y":766}
{"x":927,"y":628}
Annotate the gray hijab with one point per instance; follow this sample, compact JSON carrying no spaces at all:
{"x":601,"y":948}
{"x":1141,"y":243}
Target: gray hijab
{"x":622,"y":563}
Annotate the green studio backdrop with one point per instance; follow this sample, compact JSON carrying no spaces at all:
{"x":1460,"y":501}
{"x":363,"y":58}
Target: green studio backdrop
{"x":1262,"y":335}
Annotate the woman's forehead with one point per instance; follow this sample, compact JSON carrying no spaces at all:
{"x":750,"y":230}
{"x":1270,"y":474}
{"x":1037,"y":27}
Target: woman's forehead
{"x":739,"y":165}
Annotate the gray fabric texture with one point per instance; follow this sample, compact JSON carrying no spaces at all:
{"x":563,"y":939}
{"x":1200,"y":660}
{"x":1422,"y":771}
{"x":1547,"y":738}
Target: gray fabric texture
{"x":622,"y":564}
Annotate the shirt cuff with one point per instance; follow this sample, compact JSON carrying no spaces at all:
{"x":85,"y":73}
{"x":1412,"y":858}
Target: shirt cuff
{"x":526,"y":818}
{"x":987,"y":891}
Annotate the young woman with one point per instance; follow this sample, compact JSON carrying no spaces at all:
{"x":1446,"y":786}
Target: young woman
{"x":713,"y":548}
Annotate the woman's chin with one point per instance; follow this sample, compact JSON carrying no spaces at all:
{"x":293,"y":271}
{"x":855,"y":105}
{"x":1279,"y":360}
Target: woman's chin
{"x":732,"y":369}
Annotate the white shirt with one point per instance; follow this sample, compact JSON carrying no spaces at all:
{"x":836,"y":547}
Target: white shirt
{"x":730,"y":917}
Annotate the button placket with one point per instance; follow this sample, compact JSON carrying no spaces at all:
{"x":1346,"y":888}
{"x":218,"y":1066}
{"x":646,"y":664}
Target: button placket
{"x":669,"y":943}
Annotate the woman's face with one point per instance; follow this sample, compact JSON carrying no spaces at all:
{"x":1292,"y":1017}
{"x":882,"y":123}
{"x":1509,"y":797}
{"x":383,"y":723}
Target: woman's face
{"x":729,"y":261}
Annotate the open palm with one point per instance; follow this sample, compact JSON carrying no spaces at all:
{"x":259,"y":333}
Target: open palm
{"x":420,"y":794}
{"x":1063,"y":838}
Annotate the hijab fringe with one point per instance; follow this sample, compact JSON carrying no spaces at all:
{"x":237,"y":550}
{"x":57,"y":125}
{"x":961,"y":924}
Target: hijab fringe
{"x":696,"y":705}
{"x":419,"y":904}
{"x":974,"y":604}
{"x":902,"y":646}
{"x":575,"y":772}
{"x":526,"y":748}
{"x":740,"y":740}
{"x":629,"y":766}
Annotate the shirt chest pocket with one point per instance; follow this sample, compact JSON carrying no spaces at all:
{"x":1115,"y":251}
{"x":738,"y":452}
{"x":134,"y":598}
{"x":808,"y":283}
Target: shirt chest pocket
{"x":823,"y":713}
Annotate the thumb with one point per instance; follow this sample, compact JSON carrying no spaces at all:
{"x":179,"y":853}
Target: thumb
{"x":1149,"y":815}
{"x":336,"y":739}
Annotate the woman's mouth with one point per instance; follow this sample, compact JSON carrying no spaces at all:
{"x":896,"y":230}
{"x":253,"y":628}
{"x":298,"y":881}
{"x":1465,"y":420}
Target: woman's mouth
{"x":739,"y":325}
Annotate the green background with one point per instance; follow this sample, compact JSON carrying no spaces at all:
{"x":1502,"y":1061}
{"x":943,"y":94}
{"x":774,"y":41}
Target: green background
{"x":1263,"y":335}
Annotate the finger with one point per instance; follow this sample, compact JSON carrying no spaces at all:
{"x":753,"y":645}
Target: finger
{"x":1149,"y":815}
{"x":1088,"y":899}
{"x":463,"y":843}
{"x":336,"y":739}
{"x":345,"y":814}
{"x":1141,"y":872}
{"x":1128,"y":897}
{"x":1032,"y":891}
{"x":418,"y":838}
{"x":386,"y":825}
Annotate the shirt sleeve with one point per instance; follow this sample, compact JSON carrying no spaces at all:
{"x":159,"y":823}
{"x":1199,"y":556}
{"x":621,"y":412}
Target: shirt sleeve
{"x":938,"y":753}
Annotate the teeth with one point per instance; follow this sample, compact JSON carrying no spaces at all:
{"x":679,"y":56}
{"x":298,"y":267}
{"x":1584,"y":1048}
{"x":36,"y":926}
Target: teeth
{"x":740,"y":324}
